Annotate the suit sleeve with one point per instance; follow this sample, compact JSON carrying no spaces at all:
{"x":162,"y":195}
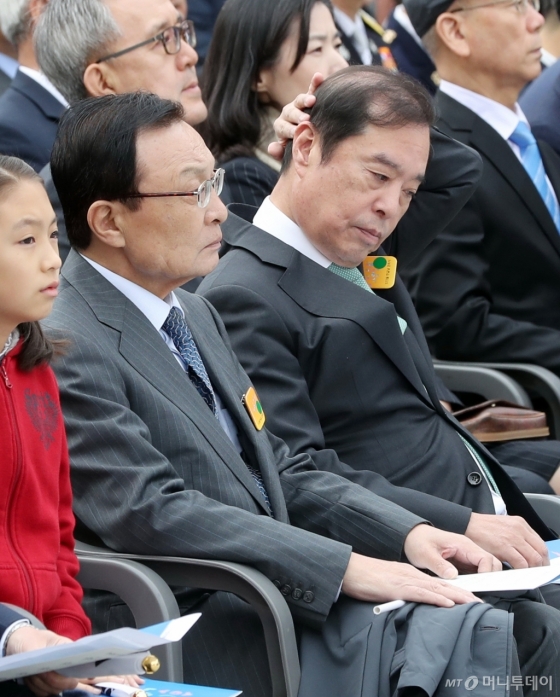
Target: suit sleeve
{"x":267,"y":351}
{"x":440,"y":197}
{"x":453,"y":298}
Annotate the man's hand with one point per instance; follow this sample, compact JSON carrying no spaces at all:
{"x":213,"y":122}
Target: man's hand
{"x":509,"y":538}
{"x":430,"y":548}
{"x":375,"y":580}
{"x":29,"y":639}
{"x":88,"y":684}
{"x":292,"y":115}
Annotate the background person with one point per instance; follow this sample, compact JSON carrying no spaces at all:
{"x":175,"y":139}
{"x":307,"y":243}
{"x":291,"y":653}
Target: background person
{"x":262,"y":55}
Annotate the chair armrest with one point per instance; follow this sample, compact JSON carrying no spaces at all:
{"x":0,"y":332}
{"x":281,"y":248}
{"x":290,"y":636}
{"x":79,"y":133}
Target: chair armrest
{"x":548,"y":508}
{"x":147,"y":595}
{"x":485,"y":380}
{"x":537,"y":379}
{"x":245,"y":582}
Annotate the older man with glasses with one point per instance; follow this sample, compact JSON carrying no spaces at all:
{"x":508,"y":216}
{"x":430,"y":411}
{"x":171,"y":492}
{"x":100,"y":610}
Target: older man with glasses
{"x":487,"y":288}
{"x":98,"y":47}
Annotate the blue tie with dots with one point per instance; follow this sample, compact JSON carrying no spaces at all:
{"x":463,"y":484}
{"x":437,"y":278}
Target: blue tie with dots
{"x":532,"y":161}
{"x":178,"y":330}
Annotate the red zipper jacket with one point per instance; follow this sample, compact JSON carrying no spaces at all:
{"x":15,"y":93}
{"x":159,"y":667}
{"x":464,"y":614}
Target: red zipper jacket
{"x":38,"y":566}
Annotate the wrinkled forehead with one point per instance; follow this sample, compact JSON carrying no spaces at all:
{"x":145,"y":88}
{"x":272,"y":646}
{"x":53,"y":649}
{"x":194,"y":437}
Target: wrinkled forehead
{"x":139,"y":19}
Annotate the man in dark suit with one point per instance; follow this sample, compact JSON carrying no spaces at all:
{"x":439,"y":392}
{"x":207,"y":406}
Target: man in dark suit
{"x":407,"y":49}
{"x":363,"y":38}
{"x":487,"y":288}
{"x":31,"y":106}
{"x":8,"y":61}
{"x":346,"y":373}
{"x":168,"y":450}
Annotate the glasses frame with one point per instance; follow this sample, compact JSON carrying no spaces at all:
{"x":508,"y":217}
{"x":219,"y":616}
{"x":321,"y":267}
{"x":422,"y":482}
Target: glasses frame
{"x":183,"y":30}
{"x":203,"y":193}
{"x":521,"y":6}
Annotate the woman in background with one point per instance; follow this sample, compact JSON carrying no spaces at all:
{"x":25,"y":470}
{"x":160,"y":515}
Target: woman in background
{"x":262,"y":55}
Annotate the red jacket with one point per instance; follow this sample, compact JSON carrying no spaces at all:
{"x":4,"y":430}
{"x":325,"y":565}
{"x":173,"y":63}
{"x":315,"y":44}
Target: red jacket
{"x":38,"y":566}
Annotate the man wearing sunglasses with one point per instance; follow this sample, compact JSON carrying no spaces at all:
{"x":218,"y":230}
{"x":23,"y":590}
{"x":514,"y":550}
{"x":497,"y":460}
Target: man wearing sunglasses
{"x":487,"y":288}
{"x":98,"y":47}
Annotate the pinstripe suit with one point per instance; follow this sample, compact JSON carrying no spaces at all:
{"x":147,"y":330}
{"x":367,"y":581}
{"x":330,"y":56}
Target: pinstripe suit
{"x":153,"y":472}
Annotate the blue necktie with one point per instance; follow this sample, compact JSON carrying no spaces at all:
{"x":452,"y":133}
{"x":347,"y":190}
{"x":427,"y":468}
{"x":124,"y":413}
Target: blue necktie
{"x":179,"y":332}
{"x":532,"y":161}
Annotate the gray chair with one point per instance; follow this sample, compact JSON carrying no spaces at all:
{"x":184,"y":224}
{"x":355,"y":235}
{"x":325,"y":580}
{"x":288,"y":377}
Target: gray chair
{"x":548,"y":507}
{"x":142,"y":582}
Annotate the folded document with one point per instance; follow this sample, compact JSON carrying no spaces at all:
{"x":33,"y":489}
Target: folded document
{"x":119,"y":652}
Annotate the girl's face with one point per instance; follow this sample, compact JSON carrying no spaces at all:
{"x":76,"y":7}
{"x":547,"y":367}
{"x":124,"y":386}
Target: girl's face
{"x":278,"y":85}
{"x":29,"y":261}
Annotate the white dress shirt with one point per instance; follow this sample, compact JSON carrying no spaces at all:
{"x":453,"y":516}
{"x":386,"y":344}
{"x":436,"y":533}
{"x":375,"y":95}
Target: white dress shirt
{"x":502,"y":119}
{"x":44,"y":82}
{"x":356,"y":31}
{"x":271,"y":219}
{"x":156,"y":311}
{"x":547,"y":58}
{"x":400,"y":15}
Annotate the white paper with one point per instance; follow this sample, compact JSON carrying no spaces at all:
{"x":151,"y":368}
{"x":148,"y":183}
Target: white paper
{"x":510,"y":580}
{"x":91,"y":649}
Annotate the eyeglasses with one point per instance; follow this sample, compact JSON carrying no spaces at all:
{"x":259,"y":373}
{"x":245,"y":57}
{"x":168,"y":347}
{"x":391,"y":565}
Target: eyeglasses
{"x":203,"y":192}
{"x":520,"y":5}
{"x":170,"y":39}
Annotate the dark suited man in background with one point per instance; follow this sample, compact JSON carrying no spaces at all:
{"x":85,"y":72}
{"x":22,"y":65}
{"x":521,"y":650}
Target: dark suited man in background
{"x":8,"y":62}
{"x":346,"y":373}
{"x":76,"y":46}
{"x":166,"y":458}
{"x":487,"y":288}
{"x":31,"y":107}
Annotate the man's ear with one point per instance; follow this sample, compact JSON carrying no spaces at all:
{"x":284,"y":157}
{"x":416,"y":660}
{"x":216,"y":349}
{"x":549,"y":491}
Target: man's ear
{"x":104,"y":221}
{"x":35,"y":8}
{"x":99,"y":80}
{"x":451,"y":32}
{"x":305,"y":139}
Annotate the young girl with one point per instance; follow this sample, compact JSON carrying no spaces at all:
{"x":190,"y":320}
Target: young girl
{"x":38,"y":566}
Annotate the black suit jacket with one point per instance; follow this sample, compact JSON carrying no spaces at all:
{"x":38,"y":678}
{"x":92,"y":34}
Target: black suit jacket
{"x":488,"y":287}
{"x":29,"y":117}
{"x":338,"y":380}
{"x":5,"y":82}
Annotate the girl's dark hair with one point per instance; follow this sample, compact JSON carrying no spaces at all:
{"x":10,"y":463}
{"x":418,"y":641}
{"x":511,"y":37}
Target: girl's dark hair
{"x":36,"y":348}
{"x":247,"y":38}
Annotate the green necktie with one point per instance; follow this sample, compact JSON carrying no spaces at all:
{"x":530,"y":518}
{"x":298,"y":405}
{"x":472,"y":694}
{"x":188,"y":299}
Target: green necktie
{"x":354,"y":276}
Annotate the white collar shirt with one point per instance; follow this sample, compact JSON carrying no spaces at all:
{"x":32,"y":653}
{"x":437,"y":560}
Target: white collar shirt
{"x":498,"y":116}
{"x":8,"y":65}
{"x":156,"y":311}
{"x":271,"y":219}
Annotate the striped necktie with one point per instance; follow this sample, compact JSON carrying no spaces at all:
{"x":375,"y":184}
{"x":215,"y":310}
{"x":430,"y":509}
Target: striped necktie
{"x":532,"y":161}
{"x":354,"y":276}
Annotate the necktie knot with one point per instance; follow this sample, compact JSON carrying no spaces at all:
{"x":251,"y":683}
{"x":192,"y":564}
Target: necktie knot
{"x":350,"y":274}
{"x":522,"y":136}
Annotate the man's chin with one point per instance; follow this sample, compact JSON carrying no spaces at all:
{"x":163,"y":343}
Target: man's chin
{"x":195,"y":110}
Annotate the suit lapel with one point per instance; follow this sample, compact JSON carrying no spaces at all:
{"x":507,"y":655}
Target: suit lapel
{"x":144,"y":349}
{"x":488,"y":142}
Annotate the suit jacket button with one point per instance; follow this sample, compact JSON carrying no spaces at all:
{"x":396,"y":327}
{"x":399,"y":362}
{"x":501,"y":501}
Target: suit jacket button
{"x":297,"y":594}
{"x":474,"y":478}
{"x":308,"y":597}
{"x":286,"y":589}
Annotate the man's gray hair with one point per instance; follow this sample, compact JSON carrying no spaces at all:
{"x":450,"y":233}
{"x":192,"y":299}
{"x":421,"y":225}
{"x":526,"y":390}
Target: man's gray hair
{"x":15,"y":20}
{"x":69,"y":35}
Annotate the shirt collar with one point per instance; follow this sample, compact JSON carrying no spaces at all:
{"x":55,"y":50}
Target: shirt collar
{"x":346,"y":23}
{"x":547,"y":58}
{"x":155,"y":309}
{"x":400,"y":15}
{"x":8,"y":65}
{"x":271,"y":219}
{"x":497,"y":115}
{"x":44,"y":82}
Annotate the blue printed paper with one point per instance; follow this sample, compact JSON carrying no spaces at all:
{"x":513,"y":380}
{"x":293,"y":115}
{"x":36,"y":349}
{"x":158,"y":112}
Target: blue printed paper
{"x":157,"y":688}
{"x":553,"y":549}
